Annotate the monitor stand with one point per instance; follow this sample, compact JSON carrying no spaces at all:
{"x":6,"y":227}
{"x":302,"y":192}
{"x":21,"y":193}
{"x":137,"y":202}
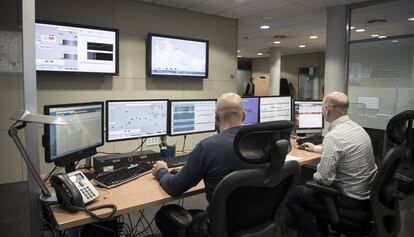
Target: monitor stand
{"x":70,"y":167}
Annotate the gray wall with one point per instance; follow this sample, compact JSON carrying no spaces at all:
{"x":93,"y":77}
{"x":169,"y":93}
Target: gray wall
{"x":134,"y":21}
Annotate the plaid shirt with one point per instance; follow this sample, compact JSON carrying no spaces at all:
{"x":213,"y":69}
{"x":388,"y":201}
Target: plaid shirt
{"x":347,"y":159}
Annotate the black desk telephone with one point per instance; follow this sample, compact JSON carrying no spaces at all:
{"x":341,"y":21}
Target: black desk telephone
{"x":74,"y":191}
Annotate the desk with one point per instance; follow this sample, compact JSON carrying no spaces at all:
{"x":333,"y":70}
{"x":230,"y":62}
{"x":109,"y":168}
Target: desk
{"x":141,"y":193}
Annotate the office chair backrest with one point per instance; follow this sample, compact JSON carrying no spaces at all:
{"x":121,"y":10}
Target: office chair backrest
{"x":384,"y":194}
{"x":249,"y":202}
{"x":400,"y":127}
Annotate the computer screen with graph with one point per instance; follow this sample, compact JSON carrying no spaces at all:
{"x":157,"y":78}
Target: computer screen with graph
{"x":66,"y":144}
{"x":275,"y":108}
{"x":251,"y":107}
{"x":191,"y":116}
{"x":308,"y":116}
{"x":132,"y":119}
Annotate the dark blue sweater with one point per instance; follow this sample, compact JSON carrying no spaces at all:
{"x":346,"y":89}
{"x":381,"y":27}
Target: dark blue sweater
{"x":211,"y":160}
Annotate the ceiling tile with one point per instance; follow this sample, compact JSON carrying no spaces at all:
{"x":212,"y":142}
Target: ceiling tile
{"x":240,"y":11}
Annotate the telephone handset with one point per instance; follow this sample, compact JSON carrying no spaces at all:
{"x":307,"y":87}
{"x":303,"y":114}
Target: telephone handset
{"x":74,"y":190}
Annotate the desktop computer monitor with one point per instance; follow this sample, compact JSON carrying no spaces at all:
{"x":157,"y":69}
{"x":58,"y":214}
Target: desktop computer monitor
{"x":308,"y":116}
{"x":251,"y":107}
{"x":132,"y":119}
{"x":66,"y":144}
{"x":275,"y":108}
{"x":191,"y":116}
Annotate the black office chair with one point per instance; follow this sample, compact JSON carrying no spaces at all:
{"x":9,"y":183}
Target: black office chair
{"x":249,"y":202}
{"x":383,"y":217}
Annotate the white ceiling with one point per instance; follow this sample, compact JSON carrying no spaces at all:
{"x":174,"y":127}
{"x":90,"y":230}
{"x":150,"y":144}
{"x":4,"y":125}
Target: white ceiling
{"x":296,"y":19}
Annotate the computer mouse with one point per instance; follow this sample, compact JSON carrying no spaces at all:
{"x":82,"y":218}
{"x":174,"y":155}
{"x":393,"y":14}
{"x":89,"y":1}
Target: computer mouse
{"x":301,"y":147}
{"x":174,"y":171}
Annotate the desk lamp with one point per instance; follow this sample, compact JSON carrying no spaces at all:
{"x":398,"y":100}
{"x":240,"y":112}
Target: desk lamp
{"x":22,"y":118}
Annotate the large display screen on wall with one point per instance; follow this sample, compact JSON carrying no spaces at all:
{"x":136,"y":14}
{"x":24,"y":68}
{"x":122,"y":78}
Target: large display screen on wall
{"x":176,"y":56}
{"x":62,"y":47}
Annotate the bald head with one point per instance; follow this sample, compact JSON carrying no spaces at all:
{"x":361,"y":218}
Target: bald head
{"x":230,"y":108}
{"x":337,"y":105}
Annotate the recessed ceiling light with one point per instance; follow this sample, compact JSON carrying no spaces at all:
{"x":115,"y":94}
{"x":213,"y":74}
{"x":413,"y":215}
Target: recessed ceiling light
{"x":382,"y":37}
{"x":302,"y":46}
{"x":375,"y":35}
{"x":239,"y":56}
{"x":313,"y":37}
{"x":394,"y":41}
{"x":411,"y":19}
{"x":352,"y":27}
{"x":359,"y":30}
{"x":259,"y":54}
{"x":238,"y":51}
{"x":276,"y":42}
{"x":264,"y":27}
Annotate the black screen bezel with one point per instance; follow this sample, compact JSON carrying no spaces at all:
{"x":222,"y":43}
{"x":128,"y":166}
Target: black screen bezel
{"x":293,"y":115}
{"x":57,"y":23}
{"x":76,"y":155}
{"x":149,"y":56}
{"x":128,"y":100}
{"x":170,"y":117}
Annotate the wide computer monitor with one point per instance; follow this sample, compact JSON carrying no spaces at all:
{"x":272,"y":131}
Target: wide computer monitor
{"x":66,"y":144}
{"x":251,"y":107}
{"x":275,"y":108}
{"x":191,"y":116}
{"x":132,"y":119}
{"x":308,"y":116}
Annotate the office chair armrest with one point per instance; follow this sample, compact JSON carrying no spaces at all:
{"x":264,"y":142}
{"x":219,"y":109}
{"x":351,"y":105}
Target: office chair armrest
{"x":178,"y":215}
{"x":325,"y":189}
{"x":329,"y":192}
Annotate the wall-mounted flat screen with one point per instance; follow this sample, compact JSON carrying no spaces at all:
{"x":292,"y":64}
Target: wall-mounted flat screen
{"x":275,"y":108}
{"x":191,"y":116}
{"x":62,"y":47}
{"x":251,"y":107}
{"x":176,"y":56}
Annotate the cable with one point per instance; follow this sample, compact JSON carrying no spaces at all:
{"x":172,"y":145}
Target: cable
{"x":140,"y":146}
{"x":52,"y":229}
{"x":185,"y":138}
{"x":50,"y":174}
{"x":91,"y":210}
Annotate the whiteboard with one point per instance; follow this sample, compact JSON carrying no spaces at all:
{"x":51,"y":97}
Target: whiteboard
{"x":10,"y":51}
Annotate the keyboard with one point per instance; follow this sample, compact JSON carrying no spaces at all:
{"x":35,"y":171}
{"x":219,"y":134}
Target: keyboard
{"x":122,"y":175}
{"x":315,"y":139}
{"x":175,"y":161}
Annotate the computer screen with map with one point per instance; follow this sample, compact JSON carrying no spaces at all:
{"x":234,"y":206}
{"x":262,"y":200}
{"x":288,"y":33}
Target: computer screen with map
{"x":251,"y":107}
{"x":176,"y":56}
{"x":275,"y":108}
{"x":131,"y":119}
{"x":63,"y":47}
{"x":66,"y":144}
{"x":191,"y":116}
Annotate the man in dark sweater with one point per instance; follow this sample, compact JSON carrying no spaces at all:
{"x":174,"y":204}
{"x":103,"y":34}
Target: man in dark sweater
{"x":211,"y":160}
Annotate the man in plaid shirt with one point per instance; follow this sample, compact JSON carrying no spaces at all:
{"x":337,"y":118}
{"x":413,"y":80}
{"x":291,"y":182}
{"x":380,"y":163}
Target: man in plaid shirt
{"x":347,"y":162}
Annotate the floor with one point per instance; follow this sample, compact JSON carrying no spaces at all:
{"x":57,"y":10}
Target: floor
{"x":14,"y":220}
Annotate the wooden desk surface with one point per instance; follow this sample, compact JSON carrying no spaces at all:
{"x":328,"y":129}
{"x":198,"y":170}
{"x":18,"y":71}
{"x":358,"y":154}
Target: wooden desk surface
{"x":141,"y":193}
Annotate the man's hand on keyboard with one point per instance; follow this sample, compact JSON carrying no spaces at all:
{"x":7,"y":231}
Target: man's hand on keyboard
{"x":309,"y":146}
{"x":157,"y":166}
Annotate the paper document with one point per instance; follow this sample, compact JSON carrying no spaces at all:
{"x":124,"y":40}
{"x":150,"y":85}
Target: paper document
{"x":289,"y":157}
